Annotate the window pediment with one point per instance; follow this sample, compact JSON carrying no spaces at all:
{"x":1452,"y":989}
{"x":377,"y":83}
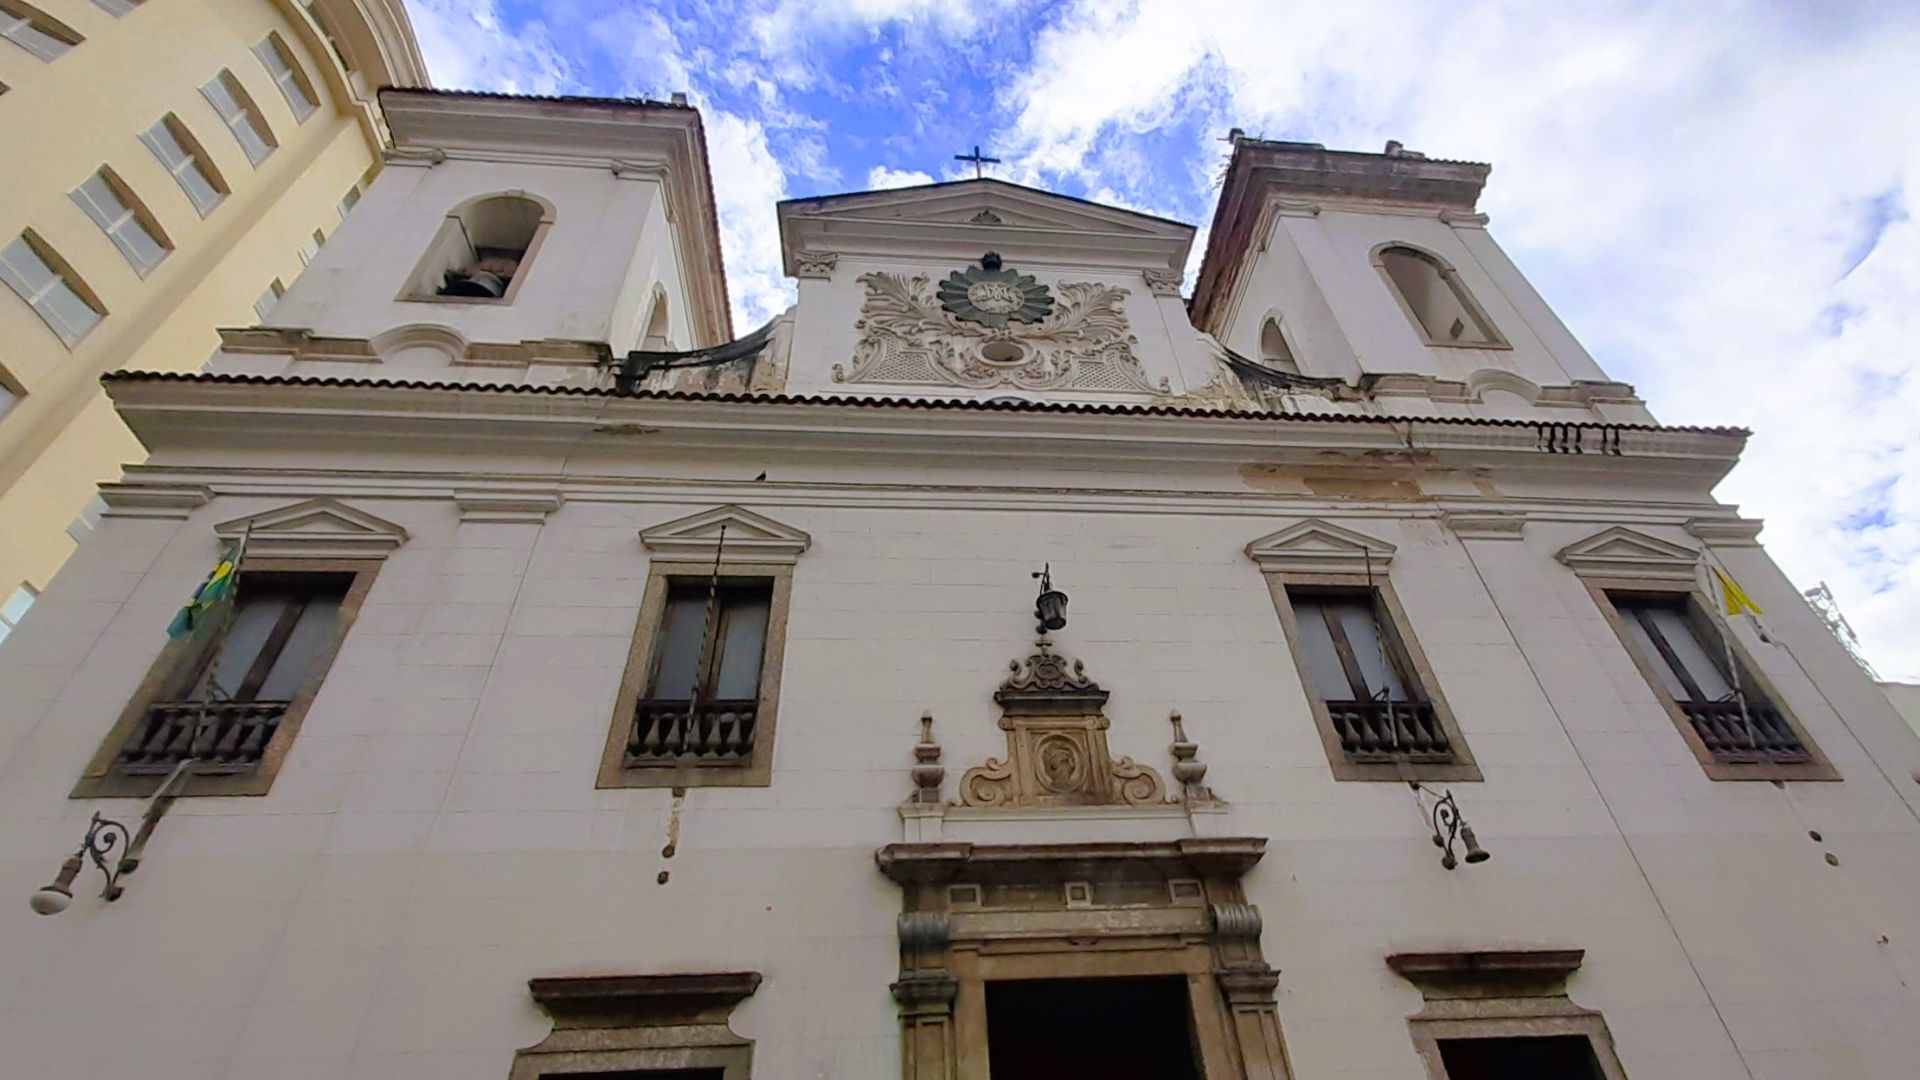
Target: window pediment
{"x":1319,"y":547}
{"x":749,"y":538}
{"x":1620,"y":552}
{"x":319,"y":528}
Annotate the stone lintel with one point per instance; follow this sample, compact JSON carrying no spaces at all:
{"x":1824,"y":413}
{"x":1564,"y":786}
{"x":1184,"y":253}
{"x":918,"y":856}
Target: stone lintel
{"x":594,"y":1001}
{"x":1229,"y":856}
{"x":1489,"y":972}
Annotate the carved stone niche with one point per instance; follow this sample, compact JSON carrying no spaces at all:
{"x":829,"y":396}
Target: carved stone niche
{"x":973,"y":914}
{"x":1056,"y":725}
{"x":606,"y":1024}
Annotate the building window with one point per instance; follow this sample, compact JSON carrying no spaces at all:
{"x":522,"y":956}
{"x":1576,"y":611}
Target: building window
{"x":1505,"y":1015}
{"x":656,"y":338}
{"x":15,"y":608}
{"x":264,"y":304}
{"x":482,"y":251}
{"x":113,"y":207}
{"x":1274,"y":350}
{"x":35,"y":31}
{"x":51,"y":288}
{"x":243,"y":684}
{"x":1357,"y":669}
{"x":326,"y":31}
{"x":698,"y":698}
{"x":242,"y":117}
{"x":117,"y":8}
{"x":10,"y":393}
{"x":187,"y":162}
{"x":310,"y":249}
{"x":349,"y":201}
{"x":1691,"y":667}
{"x":1432,"y":295}
{"x":287,"y":75}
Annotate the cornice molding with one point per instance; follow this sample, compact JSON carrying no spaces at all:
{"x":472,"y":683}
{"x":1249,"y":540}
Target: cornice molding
{"x":1486,"y":524}
{"x":151,"y":499}
{"x":507,"y":506}
{"x":1726,"y":532}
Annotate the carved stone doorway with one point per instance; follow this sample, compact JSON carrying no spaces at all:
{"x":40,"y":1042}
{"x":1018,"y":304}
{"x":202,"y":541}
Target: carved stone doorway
{"x":1064,"y":1029}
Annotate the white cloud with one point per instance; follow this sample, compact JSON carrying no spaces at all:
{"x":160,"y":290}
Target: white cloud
{"x":880,"y":177}
{"x":467,"y":47}
{"x":1684,"y":184}
{"x":747,"y":182}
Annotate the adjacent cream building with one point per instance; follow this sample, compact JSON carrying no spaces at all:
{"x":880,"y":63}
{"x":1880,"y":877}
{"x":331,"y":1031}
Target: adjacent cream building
{"x":186,"y":159}
{"x":999,"y":665}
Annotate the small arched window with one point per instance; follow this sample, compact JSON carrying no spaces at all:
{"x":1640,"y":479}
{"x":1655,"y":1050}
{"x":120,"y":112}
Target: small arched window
{"x":657,"y":337}
{"x":1432,"y":294}
{"x":1274,"y":350}
{"x":482,"y":250}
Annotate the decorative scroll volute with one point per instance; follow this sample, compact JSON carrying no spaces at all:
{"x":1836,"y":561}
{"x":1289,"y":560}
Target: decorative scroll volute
{"x":1056,"y":725}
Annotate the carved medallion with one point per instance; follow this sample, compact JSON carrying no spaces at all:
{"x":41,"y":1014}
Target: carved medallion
{"x":987,"y":328}
{"x":1056,"y":725}
{"x":993,"y":296}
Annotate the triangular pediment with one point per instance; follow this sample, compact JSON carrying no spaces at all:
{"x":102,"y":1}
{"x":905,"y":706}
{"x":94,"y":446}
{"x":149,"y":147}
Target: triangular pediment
{"x":322,"y":528}
{"x":940,"y":220}
{"x":1620,"y":552}
{"x":1315,"y":546}
{"x":731,"y":534}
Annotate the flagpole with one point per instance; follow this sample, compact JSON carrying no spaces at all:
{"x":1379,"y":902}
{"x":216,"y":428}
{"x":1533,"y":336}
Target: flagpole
{"x":230,"y":609}
{"x":1733,"y":664}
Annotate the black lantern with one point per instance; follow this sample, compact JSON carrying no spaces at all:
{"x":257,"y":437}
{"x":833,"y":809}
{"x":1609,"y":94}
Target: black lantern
{"x":1050,"y":607}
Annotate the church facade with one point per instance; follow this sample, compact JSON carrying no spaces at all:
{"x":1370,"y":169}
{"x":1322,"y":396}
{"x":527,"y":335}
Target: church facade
{"x":998,"y":665}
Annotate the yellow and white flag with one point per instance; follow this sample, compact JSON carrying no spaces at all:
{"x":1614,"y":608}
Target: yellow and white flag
{"x":1735,"y":601}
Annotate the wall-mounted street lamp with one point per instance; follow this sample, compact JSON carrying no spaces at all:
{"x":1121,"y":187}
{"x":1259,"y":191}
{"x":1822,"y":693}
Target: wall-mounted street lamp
{"x":1050,"y":607}
{"x":104,"y":835}
{"x":111,"y":847}
{"x":1449,"y":826}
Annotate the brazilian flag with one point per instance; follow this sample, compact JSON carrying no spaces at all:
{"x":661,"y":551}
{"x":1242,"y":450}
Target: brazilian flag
{"x":213,"y":592}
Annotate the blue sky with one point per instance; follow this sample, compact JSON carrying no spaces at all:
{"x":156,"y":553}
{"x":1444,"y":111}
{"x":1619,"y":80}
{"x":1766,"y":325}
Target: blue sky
{"x":1717,"y":197}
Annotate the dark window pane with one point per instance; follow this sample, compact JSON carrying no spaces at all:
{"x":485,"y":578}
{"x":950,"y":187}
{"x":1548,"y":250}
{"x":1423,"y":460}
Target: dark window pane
{"x":682,"y":633}
{"x":743,"y":645}
{"x":1316,"y":642}
{"x":1540,"y":1057}
{"x":311,"y":635}
{"x":252,"y":624}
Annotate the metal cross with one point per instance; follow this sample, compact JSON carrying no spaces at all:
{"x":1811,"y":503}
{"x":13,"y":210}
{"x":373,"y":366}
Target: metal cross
{"x":979,"y":161}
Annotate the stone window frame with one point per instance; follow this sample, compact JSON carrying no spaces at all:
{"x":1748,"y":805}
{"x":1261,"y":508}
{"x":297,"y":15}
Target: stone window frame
{"x":1451,"y":277}
{"x":1497,"y":994}
{"x":100,"y":780}
{"x":687,"y":550}
{"x":617,"y":1024}
{"x":1701,"y":610}
{"x":1623,"y":560}
{"x":1318,"y":554}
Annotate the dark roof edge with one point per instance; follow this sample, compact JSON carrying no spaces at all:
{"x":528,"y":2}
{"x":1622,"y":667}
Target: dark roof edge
{"x":986,"y":180}
{"x":948,"y":404}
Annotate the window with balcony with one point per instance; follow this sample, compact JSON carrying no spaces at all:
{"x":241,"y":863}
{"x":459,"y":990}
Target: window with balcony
{"x":51,"y":288}
{"x":120,"y":214}
{"x":237,"y":110}
{"x":287,"y":75}
{"x":698,"y":698}
{"x":1369,"y":688}
{"x":1698,"y":675}
{"x":231,"y":695}
{"x":36,"y":31}
{"x":186,"y":162}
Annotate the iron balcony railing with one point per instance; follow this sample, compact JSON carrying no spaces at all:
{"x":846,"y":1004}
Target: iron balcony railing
{"x":682,"y":733}
{"x":1390,"y":730}
{"x":232,"y":736}
{"x":1737,"y":736}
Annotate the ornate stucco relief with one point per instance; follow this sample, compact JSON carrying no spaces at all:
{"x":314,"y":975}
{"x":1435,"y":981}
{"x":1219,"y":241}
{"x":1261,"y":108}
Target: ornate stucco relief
{"x":1082,"y":341}
{"x":1057,"y":754}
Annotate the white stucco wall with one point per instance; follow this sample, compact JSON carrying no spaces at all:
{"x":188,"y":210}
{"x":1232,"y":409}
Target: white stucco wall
{"x":435,"y":838}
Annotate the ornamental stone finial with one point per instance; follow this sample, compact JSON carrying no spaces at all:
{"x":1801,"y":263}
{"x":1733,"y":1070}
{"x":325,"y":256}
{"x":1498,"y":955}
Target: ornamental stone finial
{"x":927,"y":770}
{"x":1188,"y":770}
